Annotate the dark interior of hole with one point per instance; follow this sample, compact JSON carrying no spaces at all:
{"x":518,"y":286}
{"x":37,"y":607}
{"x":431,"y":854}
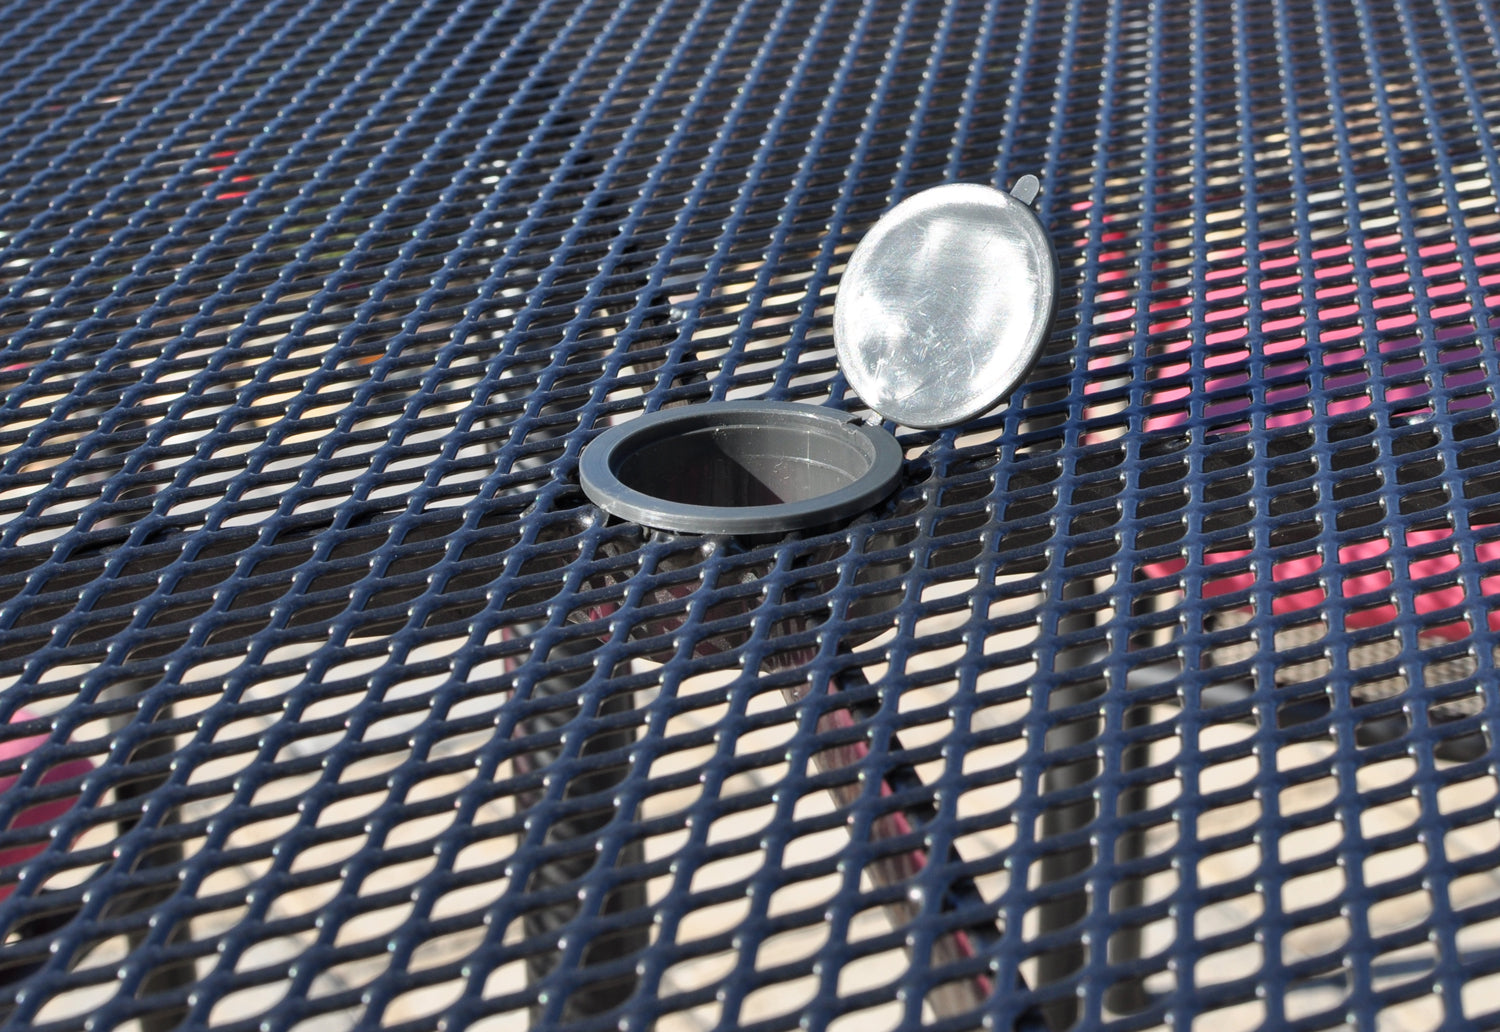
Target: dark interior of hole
{"x":744,"y":465}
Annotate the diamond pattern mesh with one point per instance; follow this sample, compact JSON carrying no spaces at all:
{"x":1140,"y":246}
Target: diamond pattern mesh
{"x":1162,"y":696}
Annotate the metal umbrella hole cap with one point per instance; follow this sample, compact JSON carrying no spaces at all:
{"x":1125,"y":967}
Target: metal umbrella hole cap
{"x":943,"y":309}
{"x":740,"y":468}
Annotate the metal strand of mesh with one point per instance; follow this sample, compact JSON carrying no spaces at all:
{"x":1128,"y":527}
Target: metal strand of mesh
{"x":1163,"y":695}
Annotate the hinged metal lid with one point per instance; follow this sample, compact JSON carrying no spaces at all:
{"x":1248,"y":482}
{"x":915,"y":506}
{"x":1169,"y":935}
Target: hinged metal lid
{"x":946,"y":302}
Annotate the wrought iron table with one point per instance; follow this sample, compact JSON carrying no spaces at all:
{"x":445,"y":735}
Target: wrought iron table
{"x":1163,"y":695}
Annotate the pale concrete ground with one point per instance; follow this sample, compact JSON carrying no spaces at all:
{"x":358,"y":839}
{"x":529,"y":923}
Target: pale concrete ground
{"x":886,"y":968}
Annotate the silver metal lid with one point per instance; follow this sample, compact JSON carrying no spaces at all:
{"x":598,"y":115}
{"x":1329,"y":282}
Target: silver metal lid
{"x":946,"y":303}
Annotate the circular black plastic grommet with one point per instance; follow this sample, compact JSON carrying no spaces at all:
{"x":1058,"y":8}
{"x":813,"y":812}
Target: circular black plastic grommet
{"x":738,"y":467}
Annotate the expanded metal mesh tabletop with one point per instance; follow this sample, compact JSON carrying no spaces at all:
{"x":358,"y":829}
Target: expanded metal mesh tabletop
{"x":1164,"y":695}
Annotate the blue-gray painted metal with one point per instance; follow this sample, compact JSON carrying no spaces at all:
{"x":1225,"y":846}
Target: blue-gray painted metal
{"x":1167,"y":688}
